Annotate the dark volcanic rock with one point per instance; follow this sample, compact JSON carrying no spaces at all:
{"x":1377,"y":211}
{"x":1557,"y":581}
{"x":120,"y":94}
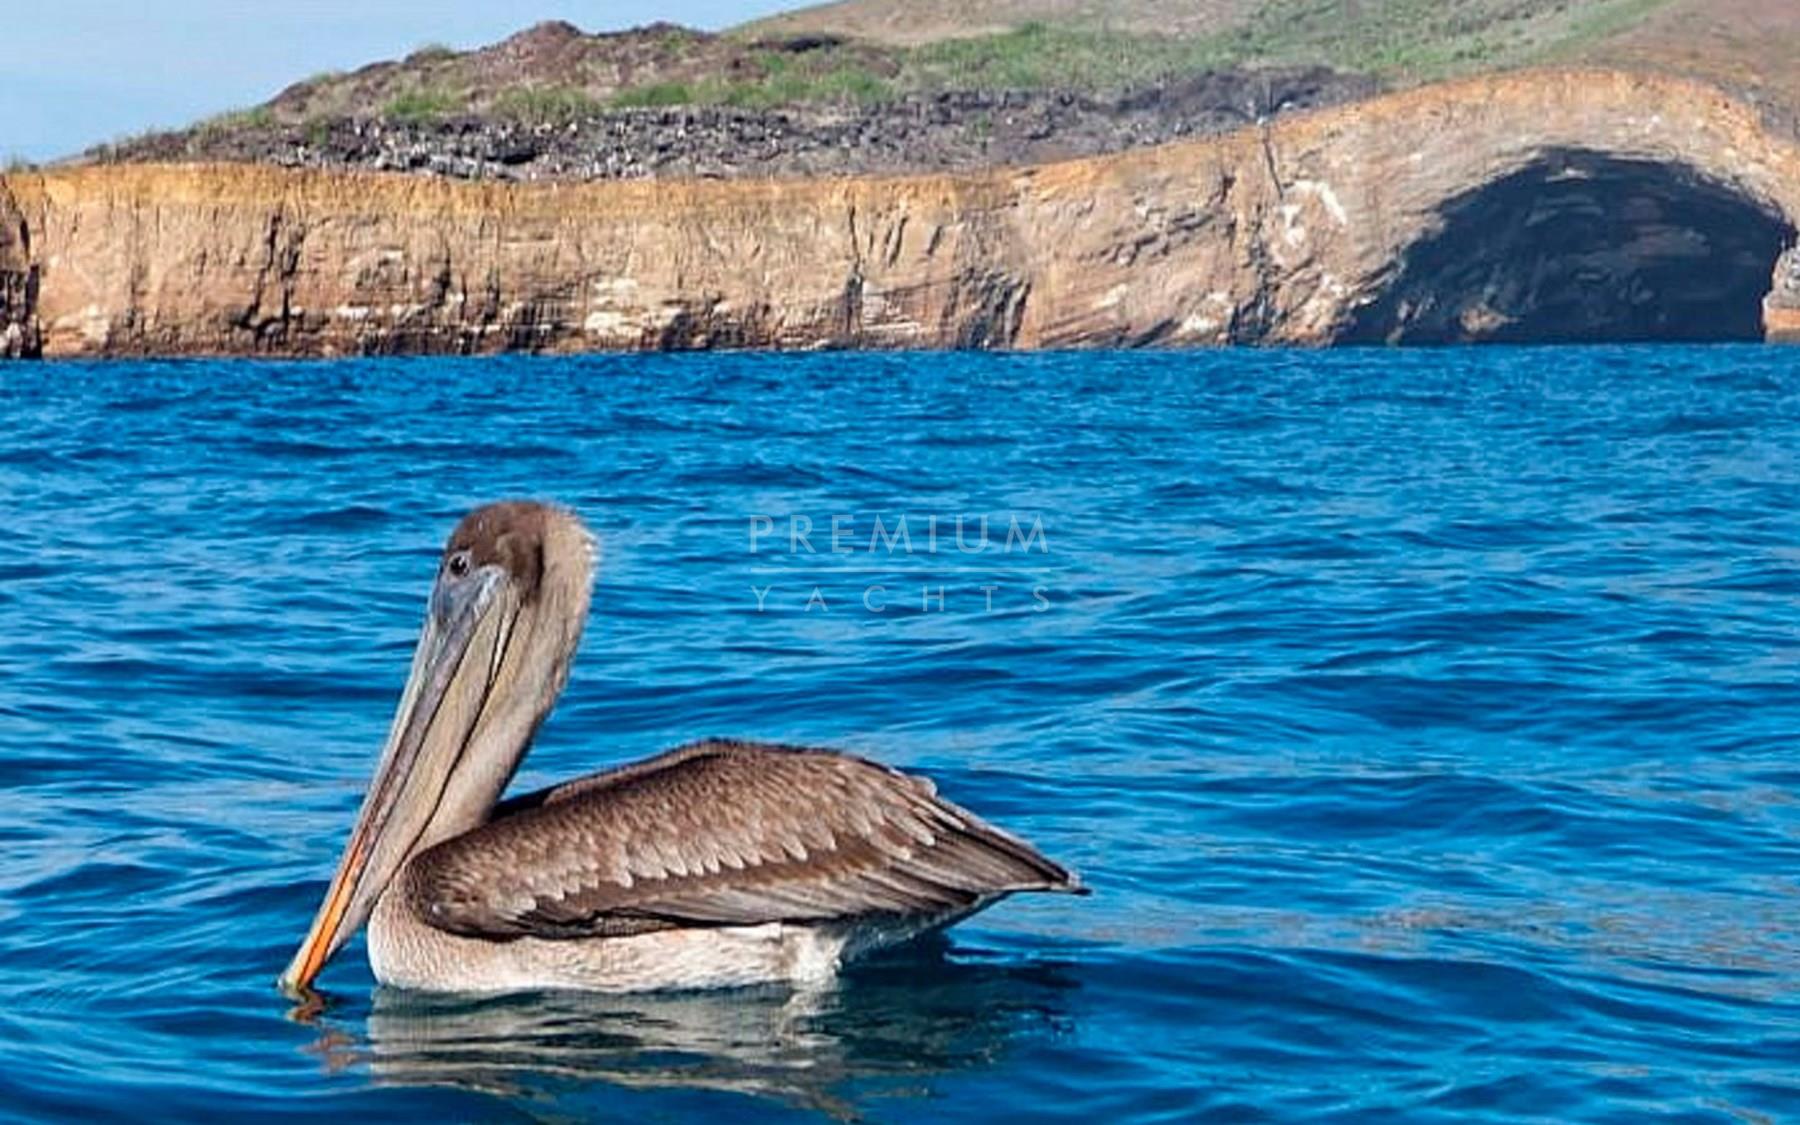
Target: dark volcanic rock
{"x":919,"y":133}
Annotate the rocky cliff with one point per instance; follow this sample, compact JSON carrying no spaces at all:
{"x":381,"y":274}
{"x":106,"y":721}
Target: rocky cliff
{"x":1781,"y":313}
{"x":1372,"y":221}
{"x":18,"y":282}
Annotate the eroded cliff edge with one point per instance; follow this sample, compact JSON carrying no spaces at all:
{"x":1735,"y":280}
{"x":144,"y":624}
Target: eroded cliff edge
{"x":1781,"y":312}
{"x":1532,"y":205}
{"x":18,"y":282}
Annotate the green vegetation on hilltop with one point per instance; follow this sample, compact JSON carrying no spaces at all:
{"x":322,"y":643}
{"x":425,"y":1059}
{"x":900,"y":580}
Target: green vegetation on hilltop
{"x":545,"y":105}
{"x":236,"y":120}
{"x":1415,"y":40}
{"x":1398,"y":40}
{"x":1039,"y":56}
{"x":1401,"y":40}
{"x":655,"y":95}
{"x":787,"y":80}
{"x":424,"y":104}
{"x":1594,"y":26}
{"x":431,"y":52}
{"x":556,"y":74}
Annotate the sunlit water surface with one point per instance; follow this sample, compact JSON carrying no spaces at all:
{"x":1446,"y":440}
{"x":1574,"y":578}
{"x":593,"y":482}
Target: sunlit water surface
{"x":1423,"y":722}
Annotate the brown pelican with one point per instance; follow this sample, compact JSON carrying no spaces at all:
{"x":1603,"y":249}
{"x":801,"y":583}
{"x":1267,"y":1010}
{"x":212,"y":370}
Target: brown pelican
{"x":717,"y":864}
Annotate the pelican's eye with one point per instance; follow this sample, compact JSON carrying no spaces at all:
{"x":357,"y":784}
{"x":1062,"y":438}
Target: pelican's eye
{"x":458,"y":564}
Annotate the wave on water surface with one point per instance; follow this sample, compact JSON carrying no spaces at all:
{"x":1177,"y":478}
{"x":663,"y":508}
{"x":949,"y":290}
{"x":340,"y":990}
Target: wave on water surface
{"x":1423,"y":722}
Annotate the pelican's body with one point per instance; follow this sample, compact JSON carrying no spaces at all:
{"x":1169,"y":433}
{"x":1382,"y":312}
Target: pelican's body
{"x":718,"y":864}
{"x":406,"y":952}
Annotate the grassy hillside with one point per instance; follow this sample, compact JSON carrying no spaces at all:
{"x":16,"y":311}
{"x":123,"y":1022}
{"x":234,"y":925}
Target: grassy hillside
{"x":870,"y":52}
{"x":909,"y":23}
{"x":1751,"y":44}
{"x":555,"y":72}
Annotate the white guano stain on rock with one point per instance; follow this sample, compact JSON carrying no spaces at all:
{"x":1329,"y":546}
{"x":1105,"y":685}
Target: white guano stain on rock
{"x":1323,"y":192}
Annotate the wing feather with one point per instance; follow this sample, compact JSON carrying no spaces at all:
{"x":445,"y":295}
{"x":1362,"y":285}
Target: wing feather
{"x":721,"y":834}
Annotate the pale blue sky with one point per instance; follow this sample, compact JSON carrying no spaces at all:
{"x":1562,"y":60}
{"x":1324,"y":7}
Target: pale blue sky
{"x":77,"y":72}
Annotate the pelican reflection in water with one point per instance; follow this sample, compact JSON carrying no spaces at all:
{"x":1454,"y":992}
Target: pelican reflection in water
{"x":717,"y":864}
{"x":908,"y":1019}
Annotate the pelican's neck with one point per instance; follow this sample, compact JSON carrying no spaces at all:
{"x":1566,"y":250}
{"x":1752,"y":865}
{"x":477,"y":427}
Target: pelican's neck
{"x":530,"y":676}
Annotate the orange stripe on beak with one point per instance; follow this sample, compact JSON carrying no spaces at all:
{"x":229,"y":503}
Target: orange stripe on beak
{"x":318,"y":946}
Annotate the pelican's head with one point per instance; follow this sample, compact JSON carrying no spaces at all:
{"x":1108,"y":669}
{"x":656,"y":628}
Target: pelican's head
{"x":505,"y":617}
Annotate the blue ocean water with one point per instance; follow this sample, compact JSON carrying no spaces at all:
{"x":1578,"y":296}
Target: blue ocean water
{"x":1424,"y":722}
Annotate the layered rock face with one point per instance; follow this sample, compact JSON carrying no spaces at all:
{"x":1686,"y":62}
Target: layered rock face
{"x":1312,"y":230}
{"x":18,"y":283}
{"x":1781,"y":313}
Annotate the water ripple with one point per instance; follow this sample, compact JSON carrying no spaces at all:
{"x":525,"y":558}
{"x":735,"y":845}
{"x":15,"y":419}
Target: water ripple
{"x":1423,"y":722}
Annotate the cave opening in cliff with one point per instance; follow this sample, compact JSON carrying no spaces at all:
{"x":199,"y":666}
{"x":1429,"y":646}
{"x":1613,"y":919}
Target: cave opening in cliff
{"x":1585,"y":248}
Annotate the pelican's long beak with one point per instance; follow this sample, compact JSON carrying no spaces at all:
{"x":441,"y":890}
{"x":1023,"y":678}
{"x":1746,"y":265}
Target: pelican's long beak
{"x":460,"y":653}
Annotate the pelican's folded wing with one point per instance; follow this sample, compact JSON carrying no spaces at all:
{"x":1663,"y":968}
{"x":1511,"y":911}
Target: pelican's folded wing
{"x":721,"y":834}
